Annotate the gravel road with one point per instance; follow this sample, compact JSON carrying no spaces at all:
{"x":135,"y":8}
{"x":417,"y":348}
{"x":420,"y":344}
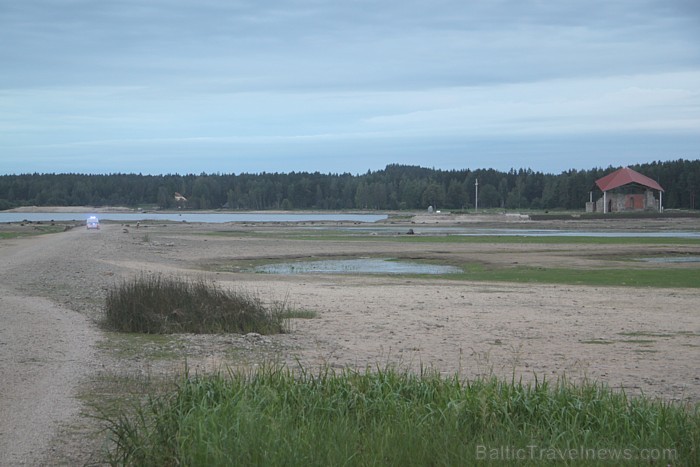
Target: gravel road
{"x":45,"y":348}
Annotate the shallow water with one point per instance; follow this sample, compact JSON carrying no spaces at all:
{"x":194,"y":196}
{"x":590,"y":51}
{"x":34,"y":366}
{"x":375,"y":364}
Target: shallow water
{"x":672,"y":259}
{"x":356,"y":266}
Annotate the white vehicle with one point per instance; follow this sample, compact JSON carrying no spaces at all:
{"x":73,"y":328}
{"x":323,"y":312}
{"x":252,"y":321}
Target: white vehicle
{"x":93,"y":223}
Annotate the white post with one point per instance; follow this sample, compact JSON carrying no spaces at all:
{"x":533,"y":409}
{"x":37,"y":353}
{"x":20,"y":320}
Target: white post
{"x":476,"y":198}
{"x":661,"y":201}
{"x":605,"y":202}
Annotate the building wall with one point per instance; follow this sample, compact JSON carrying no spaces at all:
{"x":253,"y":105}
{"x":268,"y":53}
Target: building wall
{"x":652,"y":204}
{"x":634,"y":202}
{"x":620,"y":202}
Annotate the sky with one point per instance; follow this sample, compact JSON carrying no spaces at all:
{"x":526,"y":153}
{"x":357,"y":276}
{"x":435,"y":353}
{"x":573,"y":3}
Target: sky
{"x":336,"y":86}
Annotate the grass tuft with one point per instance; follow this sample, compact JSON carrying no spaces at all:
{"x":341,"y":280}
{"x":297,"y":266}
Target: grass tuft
{"x":154,"y":304}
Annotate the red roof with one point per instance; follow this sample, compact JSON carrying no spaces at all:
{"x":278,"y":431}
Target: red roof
{"x":625,"y":176}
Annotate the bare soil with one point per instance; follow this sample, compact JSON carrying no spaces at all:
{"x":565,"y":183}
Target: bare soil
{"x":54,"y":357}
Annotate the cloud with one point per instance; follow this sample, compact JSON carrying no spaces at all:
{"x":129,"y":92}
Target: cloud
{"x":625,"y":103}
{"x":337,"y":45}
{"x":390,"y":78}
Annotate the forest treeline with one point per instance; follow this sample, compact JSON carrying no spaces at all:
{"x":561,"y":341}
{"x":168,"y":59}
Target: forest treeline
{"x":395,"y":187}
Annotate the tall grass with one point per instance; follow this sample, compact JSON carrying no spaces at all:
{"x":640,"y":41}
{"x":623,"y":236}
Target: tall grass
{"x":387,"y":417}
{"x":155,"y":304}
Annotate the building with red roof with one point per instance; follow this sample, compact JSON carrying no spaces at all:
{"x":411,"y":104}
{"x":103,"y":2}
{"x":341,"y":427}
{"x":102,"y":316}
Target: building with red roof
{"x":627,"y":190}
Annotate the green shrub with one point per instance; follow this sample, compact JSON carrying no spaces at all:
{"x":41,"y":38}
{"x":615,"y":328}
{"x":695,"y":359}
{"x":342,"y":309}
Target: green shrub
{"x":154,"y":304}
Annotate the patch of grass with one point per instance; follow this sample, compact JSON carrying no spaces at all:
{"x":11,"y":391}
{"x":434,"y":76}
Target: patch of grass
{"x":400,"y":236}
{"x":639,"y":341}
{"x":300,"y":314}
{"x":630,"y":277}
{"x":8,"y":233}
{"x":555,"y":240}
{"x":667,"y":277}
{"x":154,"y":304}
{"x":644,"y":334}
{"x":493,"y":239}
{"x":636,"y":334}
{"x":386,"y":417}
{"x":151,"y":346}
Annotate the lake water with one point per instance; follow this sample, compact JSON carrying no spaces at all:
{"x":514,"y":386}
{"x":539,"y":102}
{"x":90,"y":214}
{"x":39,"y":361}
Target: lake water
{"x":215,"y":218}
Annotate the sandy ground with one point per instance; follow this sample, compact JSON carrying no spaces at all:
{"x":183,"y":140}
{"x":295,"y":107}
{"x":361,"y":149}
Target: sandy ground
{"x":642,"y":340}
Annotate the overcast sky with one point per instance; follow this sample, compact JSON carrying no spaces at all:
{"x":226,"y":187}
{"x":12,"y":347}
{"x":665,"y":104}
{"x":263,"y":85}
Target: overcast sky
{"x":231,"y":86}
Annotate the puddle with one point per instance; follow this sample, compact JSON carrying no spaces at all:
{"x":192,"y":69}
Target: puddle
{"x":356,"y":266}
{"x":672,"y":259}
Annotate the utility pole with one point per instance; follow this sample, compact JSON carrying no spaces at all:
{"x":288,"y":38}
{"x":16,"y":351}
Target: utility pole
{"x":476,"y":197}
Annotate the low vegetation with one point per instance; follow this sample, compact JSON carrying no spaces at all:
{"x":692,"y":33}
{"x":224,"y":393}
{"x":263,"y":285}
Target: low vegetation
{"x":300,"y":314}
{"x":9,"y":231}
{"x":402,"y":237}
{"x":387,"y":417}
{"x":665,"y":277}
{"x":155,"y":304}
{"x":662,"y":278}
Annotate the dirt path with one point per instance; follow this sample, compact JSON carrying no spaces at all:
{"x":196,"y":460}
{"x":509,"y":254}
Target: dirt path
{"x":45,"y":350}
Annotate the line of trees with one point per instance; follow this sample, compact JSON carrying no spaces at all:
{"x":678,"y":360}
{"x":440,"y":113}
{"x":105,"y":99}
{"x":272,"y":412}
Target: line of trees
{"x":395,"y":187}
